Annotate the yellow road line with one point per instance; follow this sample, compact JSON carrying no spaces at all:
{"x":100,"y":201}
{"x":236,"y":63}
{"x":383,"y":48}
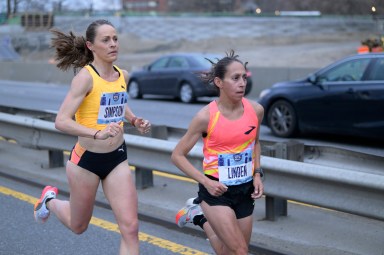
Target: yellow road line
{"x":156,"y":241}
{"x":173,"y":176}
{"x":312,"y":206}
{"x":158,"y":173}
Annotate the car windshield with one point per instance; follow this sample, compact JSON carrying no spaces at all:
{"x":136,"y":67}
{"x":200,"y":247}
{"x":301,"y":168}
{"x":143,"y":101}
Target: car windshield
{"x":349,"y":71}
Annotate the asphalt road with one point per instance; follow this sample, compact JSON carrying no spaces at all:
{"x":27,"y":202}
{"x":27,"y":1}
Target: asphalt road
{"x":160,"y":111}
{"x":20,"y":235}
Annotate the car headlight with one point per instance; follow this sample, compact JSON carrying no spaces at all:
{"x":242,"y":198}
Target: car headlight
{"x":264,"y":92}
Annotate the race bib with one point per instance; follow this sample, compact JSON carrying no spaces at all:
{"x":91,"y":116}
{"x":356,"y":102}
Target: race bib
{"x":235,"y":169}
{"x":112,"y":107}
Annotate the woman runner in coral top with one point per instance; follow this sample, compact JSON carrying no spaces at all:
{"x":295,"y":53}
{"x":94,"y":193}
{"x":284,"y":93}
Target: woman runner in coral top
{"x":231,"y":177}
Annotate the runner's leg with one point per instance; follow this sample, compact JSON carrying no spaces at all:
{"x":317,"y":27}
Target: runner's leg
{"x":77,"y":212}
{"x":120,"y":191}
{"x":229,"y":233}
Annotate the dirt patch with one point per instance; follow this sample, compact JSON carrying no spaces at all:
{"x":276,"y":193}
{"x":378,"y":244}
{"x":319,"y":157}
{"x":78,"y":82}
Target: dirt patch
{"x":310,"y":51}
{"x":286,"y":51}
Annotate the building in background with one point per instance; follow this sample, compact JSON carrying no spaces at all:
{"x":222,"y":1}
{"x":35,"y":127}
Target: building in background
{"x":158,"y":6}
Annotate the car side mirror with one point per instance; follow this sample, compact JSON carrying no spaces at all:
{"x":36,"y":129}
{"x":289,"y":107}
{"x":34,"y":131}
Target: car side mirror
{"x":312,"y":79}
{"x":316,"y":80}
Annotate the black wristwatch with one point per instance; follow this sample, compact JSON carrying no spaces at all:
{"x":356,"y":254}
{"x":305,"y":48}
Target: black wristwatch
{"x":260,"y":171}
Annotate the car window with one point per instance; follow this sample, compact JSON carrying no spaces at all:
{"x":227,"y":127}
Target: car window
{"x":377,"y":73}
{"x":202,"y":60}
{"x":348,"y":71}
{"x":159,"y":64}
{"x":178,"y":62}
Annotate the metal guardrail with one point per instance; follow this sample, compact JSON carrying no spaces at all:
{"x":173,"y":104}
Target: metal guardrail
{"x":342,"y":189}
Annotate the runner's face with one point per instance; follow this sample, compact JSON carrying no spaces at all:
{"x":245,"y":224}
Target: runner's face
{"x":235,"y":80}
{"x":106,"y":45}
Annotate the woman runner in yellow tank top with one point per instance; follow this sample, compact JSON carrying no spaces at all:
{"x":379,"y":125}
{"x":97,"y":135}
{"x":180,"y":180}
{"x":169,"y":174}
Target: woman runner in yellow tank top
{"x":94,"y":110}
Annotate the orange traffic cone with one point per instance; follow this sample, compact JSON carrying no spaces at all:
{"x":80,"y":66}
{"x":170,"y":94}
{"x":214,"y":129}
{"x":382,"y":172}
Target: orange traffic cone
{"x":363,"y":49}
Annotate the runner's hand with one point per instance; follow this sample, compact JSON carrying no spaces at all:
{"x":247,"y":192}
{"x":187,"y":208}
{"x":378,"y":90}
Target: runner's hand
{"x":259,"y":187}
{"x":215,"y":188}
{"x":142,"y":125}
{"x":111,"y":130}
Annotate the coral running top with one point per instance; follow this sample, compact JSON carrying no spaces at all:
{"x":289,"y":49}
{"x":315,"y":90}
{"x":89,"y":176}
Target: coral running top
{"x":105,"y":103}
{"x":229,"y":145}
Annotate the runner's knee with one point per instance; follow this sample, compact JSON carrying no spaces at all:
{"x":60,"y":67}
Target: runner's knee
{"x":129,"y":228}
{"x":79,"y":228}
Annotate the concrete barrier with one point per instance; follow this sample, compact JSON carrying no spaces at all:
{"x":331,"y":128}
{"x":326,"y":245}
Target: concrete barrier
{"x":262,"y":77}
{"x":34,"y":72}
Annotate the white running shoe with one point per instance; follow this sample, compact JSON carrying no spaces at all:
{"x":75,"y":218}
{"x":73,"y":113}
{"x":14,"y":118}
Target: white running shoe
{"x":188,"y":212}
{"x":193,"y":201}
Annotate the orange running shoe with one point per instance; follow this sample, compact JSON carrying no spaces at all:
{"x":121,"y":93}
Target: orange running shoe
{"x":41,"y":212}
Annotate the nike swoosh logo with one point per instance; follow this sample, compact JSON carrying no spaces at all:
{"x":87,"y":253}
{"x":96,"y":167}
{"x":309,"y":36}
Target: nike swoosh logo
{"x":249,"y":131}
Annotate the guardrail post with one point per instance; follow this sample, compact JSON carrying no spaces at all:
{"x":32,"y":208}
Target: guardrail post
{"x":55,"y":158}
{"x":144,"y":178}
{"x":292,"y":150}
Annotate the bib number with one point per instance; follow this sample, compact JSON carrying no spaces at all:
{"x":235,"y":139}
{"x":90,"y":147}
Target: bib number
{"x":112,"y":107}
{"x":235,"y":169}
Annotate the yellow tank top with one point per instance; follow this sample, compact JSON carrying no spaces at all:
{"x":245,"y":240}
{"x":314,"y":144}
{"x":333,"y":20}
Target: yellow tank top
{"x":105,"y":103}
{"x":229,"y":145}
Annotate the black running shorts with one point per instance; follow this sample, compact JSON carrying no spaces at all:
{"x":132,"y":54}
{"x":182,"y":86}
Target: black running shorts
{"x":237,"y":197}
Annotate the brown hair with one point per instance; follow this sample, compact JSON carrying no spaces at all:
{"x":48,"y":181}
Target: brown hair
{"x":71,"y":50}
{"x":219,"y":68}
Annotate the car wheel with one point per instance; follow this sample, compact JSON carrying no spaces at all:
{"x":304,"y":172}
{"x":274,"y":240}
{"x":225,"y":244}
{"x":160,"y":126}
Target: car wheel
{"x":186,"y":93}
{"x":282,"y":119}
{"x":134,"y":90}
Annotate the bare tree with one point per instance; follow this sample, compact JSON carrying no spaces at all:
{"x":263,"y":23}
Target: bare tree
{"x":15,"y":6}
{"x":8,"y":9}
{"x":12,"y":7}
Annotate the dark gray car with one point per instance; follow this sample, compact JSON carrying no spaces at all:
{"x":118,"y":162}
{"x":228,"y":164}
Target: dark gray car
{"x":176,"y":75}
{"x":346,"y":98}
